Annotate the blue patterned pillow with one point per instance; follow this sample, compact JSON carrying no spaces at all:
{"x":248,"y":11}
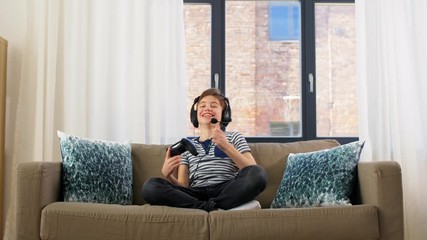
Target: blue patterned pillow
{"x":96,"y":171}
{"x":321,"y":178}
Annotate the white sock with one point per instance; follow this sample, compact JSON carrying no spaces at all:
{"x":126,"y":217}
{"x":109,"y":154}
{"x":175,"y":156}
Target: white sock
{"x":254,"y":204}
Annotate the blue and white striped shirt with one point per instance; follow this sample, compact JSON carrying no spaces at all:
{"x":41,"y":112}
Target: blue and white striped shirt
{"x":212,"y":165}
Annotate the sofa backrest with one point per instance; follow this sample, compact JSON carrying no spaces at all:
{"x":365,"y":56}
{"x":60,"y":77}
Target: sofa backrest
{"x":148,"y":160}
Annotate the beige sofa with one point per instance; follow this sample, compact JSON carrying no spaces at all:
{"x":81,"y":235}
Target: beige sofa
{"x":376,"y":213}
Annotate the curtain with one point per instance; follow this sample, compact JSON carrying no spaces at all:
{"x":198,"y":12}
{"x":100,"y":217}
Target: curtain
{"x":103,"y":69}
{"x":392,"y":55}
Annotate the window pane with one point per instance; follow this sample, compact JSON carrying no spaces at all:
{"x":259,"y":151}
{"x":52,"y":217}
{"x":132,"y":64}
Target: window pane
{"x":263,"y":75}
{"x":284,"y":30}
{"x":336,"y":86}
{"x":197,"y":19}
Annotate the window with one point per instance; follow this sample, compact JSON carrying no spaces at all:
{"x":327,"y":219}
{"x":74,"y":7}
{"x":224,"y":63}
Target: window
{"x":288,"y":67}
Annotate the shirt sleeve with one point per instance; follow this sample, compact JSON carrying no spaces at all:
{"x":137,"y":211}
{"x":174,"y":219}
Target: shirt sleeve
{"x":184,"y":159}
{"x":239,"y":142}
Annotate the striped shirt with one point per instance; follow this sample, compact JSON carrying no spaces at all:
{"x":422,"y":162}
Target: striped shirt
{"x":212,"y":166}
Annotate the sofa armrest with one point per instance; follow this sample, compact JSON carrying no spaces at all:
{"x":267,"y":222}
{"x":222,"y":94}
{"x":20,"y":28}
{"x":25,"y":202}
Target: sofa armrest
{"x":38,"y":184}
{"x":380,"y":184}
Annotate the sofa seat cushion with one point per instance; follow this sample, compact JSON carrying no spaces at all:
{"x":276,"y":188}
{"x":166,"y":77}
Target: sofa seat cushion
{"x":72,"y":220}
{"x":343,"y":222}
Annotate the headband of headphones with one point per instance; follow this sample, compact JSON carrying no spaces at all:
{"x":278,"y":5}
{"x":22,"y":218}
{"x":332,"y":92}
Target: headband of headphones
{"x":226,"y":112}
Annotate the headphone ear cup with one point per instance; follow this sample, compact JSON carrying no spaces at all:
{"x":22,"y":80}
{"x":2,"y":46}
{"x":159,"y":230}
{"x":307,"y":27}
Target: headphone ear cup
{"x":193,"y":118}
{"x":226,"y":113}
{"x":193,"y":113}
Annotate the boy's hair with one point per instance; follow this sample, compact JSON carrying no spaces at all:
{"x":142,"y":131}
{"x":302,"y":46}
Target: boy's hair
{"x":215,"y":92}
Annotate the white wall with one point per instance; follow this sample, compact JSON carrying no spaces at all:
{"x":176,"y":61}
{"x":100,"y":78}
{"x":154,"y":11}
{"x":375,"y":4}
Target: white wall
{"x":12,"y":28}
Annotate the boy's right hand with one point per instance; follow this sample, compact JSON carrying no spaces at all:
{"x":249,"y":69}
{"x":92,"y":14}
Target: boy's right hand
{"x":170,"y":164}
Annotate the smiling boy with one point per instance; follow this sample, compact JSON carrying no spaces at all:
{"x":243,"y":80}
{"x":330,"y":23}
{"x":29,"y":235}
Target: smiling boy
{"x":223,"y":175}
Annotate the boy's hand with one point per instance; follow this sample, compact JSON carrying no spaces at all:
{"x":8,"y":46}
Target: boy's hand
{"x":170,"y":164}
{"x":218,"y":136}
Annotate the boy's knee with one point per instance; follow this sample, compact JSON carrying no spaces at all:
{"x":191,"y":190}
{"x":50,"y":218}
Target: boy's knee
{"x":257,"y":175}
{"x":261,"y":176}
{"x":149,"y":189}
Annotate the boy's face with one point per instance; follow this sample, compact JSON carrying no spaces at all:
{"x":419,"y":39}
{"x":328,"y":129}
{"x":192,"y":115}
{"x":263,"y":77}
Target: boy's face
{"x":208,"y":107}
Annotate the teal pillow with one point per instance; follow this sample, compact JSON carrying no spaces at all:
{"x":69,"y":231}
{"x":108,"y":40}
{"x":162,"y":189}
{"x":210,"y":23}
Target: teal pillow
{"x":321,"y":178}
{"x":96,"y":171}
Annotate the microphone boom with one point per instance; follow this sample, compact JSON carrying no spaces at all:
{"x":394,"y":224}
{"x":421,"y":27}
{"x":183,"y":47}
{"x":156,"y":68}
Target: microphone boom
{"x":214,"y":121}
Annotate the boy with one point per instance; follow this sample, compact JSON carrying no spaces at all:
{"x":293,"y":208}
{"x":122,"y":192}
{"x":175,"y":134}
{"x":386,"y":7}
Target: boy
{"x":223,"y":175}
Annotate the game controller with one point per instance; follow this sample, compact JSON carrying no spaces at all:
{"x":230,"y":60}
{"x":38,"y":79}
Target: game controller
{"x":184,"y":145}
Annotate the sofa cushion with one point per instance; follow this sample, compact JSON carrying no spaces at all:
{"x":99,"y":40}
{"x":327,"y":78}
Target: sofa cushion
{"x":273,"y":156}
{"x":329,"y":223}
{"x":147,"y":160}
{"x":96,"y":171}
{"x":71,"y":220}
{"x":320,"y":178}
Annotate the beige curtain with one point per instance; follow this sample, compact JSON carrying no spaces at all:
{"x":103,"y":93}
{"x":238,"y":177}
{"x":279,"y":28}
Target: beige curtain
{"x":392,"y":56}
{"x":111,"y":70}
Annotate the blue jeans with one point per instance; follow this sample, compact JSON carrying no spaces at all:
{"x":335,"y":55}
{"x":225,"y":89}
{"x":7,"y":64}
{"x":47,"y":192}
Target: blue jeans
{"x":249,"y":182}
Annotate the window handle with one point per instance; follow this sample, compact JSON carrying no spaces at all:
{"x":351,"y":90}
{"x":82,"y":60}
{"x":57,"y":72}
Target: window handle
{"x":216,"y":79}
{"x":311,"y":82}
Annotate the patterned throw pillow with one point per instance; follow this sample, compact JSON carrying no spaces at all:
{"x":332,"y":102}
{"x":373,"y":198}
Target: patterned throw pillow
{"x":96,"y":171}
{"x":321,"y":178}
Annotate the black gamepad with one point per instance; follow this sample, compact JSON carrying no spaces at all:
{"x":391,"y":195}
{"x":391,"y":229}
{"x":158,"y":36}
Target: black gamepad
{"x":184,"y":145}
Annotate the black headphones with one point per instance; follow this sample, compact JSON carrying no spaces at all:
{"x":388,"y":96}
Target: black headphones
{"x":226,"y":113}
